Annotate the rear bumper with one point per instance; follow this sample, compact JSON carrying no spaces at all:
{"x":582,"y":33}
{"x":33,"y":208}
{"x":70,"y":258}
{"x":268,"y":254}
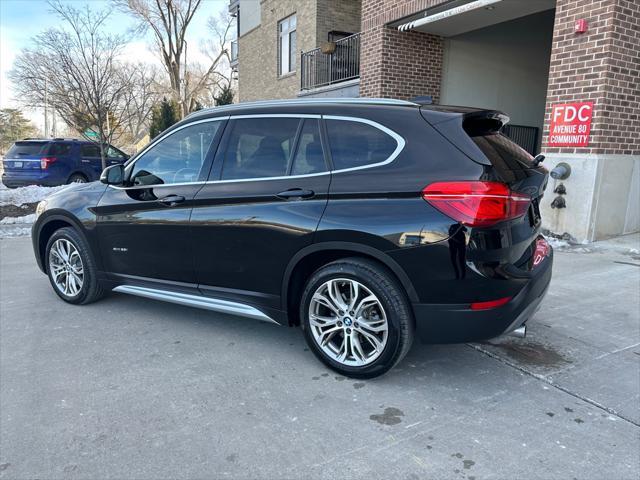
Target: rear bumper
{"x":22,"y":179}
{"x":458,"y":323}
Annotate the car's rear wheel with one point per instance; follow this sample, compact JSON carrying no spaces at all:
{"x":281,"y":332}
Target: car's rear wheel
{"x":77,"y":178}
{"x":356,"y":318}
{"x":71,"y":268}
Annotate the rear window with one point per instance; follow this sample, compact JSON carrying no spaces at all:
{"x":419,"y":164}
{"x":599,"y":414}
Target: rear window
{"x":503,"y":152}
{"x":26,"y":149}
{"x":356,"y":144}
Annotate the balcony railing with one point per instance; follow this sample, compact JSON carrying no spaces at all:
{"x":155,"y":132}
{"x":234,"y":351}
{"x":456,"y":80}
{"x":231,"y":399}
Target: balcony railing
{"x":319,"y":69}
{"x":234,"y":52}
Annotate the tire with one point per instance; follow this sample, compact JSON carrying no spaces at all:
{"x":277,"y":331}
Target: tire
{"x":392,"y":310}
{"x":77,"y":178}
{"x":89,"y":289}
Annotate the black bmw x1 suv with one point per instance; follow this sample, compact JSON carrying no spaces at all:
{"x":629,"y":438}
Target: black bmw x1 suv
{"x":364,"y":221}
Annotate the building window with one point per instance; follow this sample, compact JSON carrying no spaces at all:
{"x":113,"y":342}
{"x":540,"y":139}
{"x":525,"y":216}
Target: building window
{"x":287,"y":45}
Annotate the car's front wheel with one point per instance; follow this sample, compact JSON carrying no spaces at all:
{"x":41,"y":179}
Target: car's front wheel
{"x":356,"y":318}
{"x":70,"y":267}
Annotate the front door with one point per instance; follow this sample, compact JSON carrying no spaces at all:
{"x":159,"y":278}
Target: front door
{"x":143,"y":227}
{"x":269,"y":190}
{"x":91,"y":161}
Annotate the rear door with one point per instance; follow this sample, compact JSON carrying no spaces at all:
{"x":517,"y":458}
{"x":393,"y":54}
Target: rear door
{"x":266,"y":196}
{"x":478,"y":135}
{"x":143,"y":228}
{"x":515,"y":167}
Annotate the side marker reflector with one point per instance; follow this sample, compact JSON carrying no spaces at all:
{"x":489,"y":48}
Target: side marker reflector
{"x":490,"y":304}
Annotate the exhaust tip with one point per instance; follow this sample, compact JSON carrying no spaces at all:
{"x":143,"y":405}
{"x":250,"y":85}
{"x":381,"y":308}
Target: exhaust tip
{"x":519,"y":332}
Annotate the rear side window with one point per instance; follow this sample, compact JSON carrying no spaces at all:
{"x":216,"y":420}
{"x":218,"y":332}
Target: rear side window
{"x":59,"y":149}
{"x":90,"y":151}
{"x":357,"y":144}
{"x":259,"y":148}
{"x":309,"y":157}
{"x":26,"y":149}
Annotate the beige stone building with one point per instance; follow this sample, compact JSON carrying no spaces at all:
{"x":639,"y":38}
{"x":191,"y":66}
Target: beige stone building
{"x":272,"y":34}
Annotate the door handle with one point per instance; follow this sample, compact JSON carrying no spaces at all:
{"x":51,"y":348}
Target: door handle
{"x":295,"y":193}
{"x":171,"y":200}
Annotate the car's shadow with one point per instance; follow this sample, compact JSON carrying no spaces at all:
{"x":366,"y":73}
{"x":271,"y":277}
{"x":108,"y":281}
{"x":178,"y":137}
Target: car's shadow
{"x":456,"y":364}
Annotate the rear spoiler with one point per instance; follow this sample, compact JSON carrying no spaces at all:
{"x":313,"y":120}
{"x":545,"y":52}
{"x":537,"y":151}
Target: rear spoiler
{"x":483,"y":122}
{"x":458,"y":124}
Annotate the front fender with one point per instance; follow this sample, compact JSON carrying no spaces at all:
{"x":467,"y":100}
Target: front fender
{"x":47,"y":224}
{"x":72,"y":206}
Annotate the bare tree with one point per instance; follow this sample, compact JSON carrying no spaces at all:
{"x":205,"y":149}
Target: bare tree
{"x":169,"y":21}
{"x":76,"y":71}
{"x":203,"y":83}
{"x":138,"y":100}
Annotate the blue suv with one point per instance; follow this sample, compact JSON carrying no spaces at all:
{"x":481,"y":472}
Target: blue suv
{"x":57,"y":161}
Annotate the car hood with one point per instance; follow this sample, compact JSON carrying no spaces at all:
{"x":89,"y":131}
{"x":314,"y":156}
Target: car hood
{"x":78,"y":189}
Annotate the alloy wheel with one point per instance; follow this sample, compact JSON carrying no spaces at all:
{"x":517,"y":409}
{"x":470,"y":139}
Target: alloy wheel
{"x":348,"y":322}
{"x":66,"y":267}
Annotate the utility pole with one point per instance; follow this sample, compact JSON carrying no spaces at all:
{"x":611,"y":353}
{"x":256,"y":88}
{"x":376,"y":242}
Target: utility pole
{"x":46,"y":107}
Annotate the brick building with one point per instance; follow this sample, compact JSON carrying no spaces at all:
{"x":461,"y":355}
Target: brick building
{"x":535,"y":60}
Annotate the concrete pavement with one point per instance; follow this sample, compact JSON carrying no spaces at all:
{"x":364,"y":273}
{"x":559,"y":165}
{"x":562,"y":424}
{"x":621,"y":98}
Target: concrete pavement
{"x":132,"y":388}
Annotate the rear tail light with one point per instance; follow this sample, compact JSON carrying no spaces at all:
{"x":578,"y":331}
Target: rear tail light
{"x":490,"y":304}
{"x":477,"y":203}
{"x":45,"y":162}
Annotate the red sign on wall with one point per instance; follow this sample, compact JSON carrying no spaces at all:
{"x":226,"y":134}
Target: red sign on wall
{"x":570,"y":125}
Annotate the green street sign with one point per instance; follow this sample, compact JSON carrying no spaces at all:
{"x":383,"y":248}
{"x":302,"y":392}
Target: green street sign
{"x":90,"y":134}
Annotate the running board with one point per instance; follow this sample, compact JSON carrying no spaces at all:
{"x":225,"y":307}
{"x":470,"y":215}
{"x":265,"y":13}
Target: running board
{"x":198,"y":301}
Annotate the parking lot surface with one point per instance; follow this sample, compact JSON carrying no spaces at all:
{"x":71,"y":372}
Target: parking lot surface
{"x":132,"y":388}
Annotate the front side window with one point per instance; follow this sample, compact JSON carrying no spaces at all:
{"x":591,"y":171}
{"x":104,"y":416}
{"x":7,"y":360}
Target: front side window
{"x":287,"y":45}
{"x":115,"y":153}
{"x":177,"y":158}
{"x":357,"y":144}
{"x":259,"y":148}
{"x":90,"y":151}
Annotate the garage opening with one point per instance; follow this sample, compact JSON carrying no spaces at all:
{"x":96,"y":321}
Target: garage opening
{"x":506,"y":67}
{"x":496,"y":55}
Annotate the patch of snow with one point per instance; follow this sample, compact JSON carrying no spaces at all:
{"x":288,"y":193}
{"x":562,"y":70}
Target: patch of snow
{"x":557,"y":243}
{"x":13,"y":231}
{"x":15,"y":220}
{"x":22,"y":195}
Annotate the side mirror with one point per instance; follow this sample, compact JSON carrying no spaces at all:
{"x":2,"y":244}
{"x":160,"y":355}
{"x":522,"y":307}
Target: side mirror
{"x":113,"y":175}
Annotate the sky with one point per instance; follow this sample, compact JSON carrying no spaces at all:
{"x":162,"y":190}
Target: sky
{"x":21,"y":20}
